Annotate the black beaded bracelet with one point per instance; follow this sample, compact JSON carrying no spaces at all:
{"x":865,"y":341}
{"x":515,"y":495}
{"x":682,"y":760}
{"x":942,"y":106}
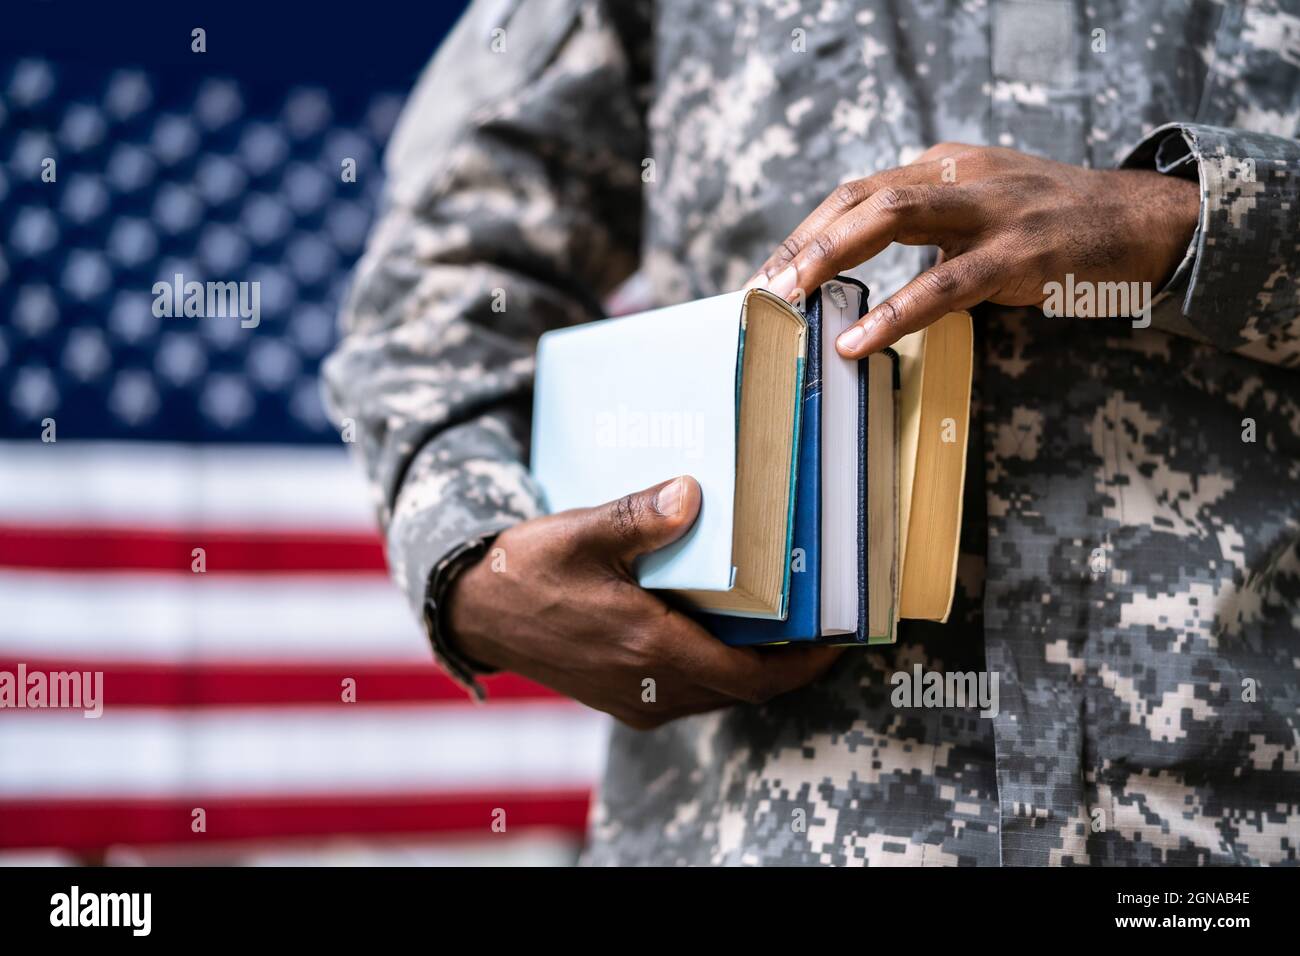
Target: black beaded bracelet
{"x":464,"y":669}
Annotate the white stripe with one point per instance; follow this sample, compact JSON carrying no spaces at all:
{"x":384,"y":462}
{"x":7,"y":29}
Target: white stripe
{"x":341,"y":749}
{"x":191,"y":486}
{"x":166,"y":618}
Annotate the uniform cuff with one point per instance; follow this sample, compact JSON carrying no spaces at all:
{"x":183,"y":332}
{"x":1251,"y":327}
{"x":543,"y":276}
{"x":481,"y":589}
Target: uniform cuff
{"x":1250,"y":215}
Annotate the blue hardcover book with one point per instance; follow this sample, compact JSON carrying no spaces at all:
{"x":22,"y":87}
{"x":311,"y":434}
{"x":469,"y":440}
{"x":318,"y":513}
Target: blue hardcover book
{"x":804,"y":622}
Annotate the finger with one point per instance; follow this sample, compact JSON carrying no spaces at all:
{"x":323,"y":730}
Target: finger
{"x":951,"y":285}
{"x":843,"y":198}
{"x":673,"y":698}
{"x":749,"y":674}
{"x":643,"y":521}
{"x":756,"y":675}
{"x":916,"y":215}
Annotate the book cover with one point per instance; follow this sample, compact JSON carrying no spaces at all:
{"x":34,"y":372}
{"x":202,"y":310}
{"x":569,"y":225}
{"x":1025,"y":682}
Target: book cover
{"x":713,"y":389}
{"x":620,"y":405}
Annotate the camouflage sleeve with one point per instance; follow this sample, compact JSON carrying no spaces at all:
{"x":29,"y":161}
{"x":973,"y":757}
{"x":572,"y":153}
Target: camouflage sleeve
{"x":512,"y":205}
{"x":1237,"y":287}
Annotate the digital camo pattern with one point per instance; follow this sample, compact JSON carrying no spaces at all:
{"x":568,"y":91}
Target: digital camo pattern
{"x":1130,"y":565}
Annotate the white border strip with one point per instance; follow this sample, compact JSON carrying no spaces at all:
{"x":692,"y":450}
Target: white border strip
{"x":191,"y":486}
{"x":173,"y":618}
{"x":340,"y":749}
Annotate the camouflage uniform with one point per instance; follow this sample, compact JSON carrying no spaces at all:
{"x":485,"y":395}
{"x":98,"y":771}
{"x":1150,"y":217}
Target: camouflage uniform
{"x":1142,"y":558}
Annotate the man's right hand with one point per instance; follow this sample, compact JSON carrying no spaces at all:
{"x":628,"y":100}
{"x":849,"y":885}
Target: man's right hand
{"x":564,"y":609}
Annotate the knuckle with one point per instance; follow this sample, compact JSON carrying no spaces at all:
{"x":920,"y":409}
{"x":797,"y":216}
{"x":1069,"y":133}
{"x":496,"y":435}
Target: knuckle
{"x":788,"y":249}
{"x":1031,"y":224}
{"x":939,"y":282}
{"x":822,"y":247}
{"x":626,"y":515}
{"x":893,"y":200}
{"x":848,"y":194}
{"x":889,"y":314}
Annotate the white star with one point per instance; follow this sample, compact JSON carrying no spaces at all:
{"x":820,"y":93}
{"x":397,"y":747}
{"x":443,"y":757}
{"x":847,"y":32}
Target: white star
{"x":31,"y":149}
{"x":265,"y":219}
{"x":272,"y":364}
{"x":34,"y":231}
{"x":177,"y":209}
{"x":132,"y":242}
{"x":131,"y":318}
{"x":32,"y":81}
{"x":35,"y":311}
{"x":226,"y":400}
{"x":306,"y":406}
{"x":174,"y":139}
{"x":83,"y":127}
{"x":306,"y":188}
{"x":312,"y":329}
{"x":310,"y":258}
{"x":86,"y":356}
{"x":219,"y":179}
{"x":133,"y":398}
{"x":85,"y":200}
{"x":347,"y":224}
{"x":218,"y":103}
{"x":262,"y":147}
{"x":306,"y":111}
{"x":130,"y":168}
{"x":34,"y":392}
{"x":180,"y":358}
{"x":222,"y":249}
{"x":86,"y":275}
{"x":128,"y":93}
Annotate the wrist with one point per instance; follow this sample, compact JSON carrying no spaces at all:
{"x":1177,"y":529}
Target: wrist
{"x":1167,"y":210}
{"x":465,"y":613}
{"x":441,"y":583}
{"x":1184,"y":205}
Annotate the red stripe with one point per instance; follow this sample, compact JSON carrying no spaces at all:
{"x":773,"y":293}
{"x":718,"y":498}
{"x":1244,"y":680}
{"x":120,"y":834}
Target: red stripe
{"x":135,"y":549}
{"x":233,"y":684}
{"x":92,"y":824}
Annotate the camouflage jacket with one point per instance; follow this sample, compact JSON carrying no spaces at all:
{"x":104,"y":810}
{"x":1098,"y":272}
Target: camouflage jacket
{"x":1131,"y":552}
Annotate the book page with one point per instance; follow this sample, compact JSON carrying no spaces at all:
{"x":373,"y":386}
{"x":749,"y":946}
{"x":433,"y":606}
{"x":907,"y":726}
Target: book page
{"x":911,"y":367}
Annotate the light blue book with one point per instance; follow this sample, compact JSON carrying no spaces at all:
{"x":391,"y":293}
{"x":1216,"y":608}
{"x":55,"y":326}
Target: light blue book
{"x":711,"y":388}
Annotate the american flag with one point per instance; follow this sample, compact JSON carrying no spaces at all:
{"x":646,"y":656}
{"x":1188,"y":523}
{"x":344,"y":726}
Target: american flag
{"x":224,"y":688}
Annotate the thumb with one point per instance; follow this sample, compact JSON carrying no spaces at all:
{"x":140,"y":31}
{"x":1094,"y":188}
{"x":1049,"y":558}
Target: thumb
{"x":643,"y":521}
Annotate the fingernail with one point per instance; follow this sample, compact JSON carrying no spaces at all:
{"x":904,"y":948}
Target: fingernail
{"x":758,"y":281}
{"x":786,"y":281}
{"x":851,"y":339}
{"x":668,"y":502}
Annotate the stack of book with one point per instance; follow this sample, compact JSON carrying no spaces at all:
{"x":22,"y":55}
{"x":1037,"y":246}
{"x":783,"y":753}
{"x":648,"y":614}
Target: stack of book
{"x":832,"y":488}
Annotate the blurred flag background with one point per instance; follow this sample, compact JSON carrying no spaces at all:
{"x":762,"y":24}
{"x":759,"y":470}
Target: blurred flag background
{"x":224,"y":690}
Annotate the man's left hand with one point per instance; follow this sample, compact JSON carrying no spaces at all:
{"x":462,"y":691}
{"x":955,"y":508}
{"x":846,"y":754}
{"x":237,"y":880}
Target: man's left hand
{"x":1006,"y":224}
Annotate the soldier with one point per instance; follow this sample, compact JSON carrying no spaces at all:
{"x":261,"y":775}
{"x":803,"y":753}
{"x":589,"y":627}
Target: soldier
{"x":1130,"y":561}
